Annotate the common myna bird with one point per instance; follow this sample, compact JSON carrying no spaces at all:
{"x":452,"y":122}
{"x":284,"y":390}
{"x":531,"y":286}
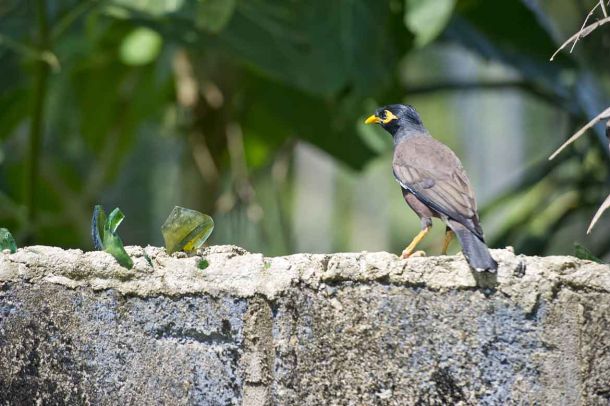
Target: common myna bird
{"x":434,"y":184}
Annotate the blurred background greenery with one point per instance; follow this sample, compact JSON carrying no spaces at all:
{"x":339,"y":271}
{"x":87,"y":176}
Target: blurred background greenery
{"x":252,"y":111}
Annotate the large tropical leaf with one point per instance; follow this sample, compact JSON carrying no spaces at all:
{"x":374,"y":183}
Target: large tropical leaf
{"x":317,"y":46}
{"x":426,"y":19}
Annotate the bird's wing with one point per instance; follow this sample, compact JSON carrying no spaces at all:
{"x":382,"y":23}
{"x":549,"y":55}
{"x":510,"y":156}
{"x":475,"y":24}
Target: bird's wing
{"x":434,"y":174}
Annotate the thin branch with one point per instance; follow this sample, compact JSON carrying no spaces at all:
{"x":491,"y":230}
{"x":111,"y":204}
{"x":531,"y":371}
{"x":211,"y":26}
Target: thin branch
{"x":604,"y":115}
{"x":605,"y":205}
{"x":37,"y":126}
{"x":581,"y":34}
{"x":584,"y":24}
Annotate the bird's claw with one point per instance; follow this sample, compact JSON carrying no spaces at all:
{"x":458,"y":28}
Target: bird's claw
{"x":406,"y":254}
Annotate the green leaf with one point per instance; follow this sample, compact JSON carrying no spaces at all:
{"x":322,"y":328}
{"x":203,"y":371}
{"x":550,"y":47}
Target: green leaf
{"x":140,"y":47}
{"x":105,"y":237}
{"x":7,"y":242}
{"x":426,"y":19}
{"x":341,"y":45}
{"x":272,"y":120}
{"x":186,"y":230}
{"x":213,"y":15}
{"x":203,"y":263}
{"x":583,"y":253}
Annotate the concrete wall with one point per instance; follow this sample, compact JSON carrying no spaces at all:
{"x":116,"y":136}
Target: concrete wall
{"x":344,"y":329}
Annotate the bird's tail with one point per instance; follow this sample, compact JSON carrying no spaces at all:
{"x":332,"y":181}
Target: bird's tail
{"x":476,"y":252}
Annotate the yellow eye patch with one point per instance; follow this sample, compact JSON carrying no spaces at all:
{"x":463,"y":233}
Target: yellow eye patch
{"x":389,"y":116}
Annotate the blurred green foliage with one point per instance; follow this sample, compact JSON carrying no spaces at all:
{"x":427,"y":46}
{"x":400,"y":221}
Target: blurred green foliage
{"x":148,"y":104}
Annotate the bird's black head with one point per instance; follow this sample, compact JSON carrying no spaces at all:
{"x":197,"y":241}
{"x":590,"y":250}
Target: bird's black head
{"x":395,"y":117}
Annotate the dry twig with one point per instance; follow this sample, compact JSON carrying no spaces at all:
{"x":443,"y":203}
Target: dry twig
{"x":599,"y":213}
{"x":604,"y":115}
{"x":584,"y":24}
{"x":581,"y":34}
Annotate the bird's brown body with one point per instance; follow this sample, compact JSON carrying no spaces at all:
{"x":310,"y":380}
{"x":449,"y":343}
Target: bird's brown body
{"x":434,"y":184}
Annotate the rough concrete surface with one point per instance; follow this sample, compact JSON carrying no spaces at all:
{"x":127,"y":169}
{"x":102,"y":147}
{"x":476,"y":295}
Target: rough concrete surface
{"x":340,"y":329}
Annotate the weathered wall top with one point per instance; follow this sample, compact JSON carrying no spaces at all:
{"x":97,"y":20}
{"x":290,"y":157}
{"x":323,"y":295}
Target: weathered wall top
{"x":341,"y":329}
{"x":232,"y":270}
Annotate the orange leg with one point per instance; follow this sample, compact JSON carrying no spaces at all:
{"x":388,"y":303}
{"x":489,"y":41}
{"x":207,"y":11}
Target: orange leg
{"x":411,"y":247}
{"x":448,"y":237}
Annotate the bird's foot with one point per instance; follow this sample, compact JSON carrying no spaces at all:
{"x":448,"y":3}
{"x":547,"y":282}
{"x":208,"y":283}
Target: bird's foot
{"x":407,"y":254}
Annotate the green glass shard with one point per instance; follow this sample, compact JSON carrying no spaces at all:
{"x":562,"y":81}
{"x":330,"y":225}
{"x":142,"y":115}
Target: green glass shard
{"x":114,"y":219}
{"x":105,"y":236}
{"x":186,"y":230}
{"x":97,"y":227}
{"x":7,"y":242}
{"x":114,"y":246}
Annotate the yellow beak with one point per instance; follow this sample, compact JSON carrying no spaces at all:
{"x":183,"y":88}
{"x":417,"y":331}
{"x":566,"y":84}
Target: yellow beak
{"x":372,"y":120}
